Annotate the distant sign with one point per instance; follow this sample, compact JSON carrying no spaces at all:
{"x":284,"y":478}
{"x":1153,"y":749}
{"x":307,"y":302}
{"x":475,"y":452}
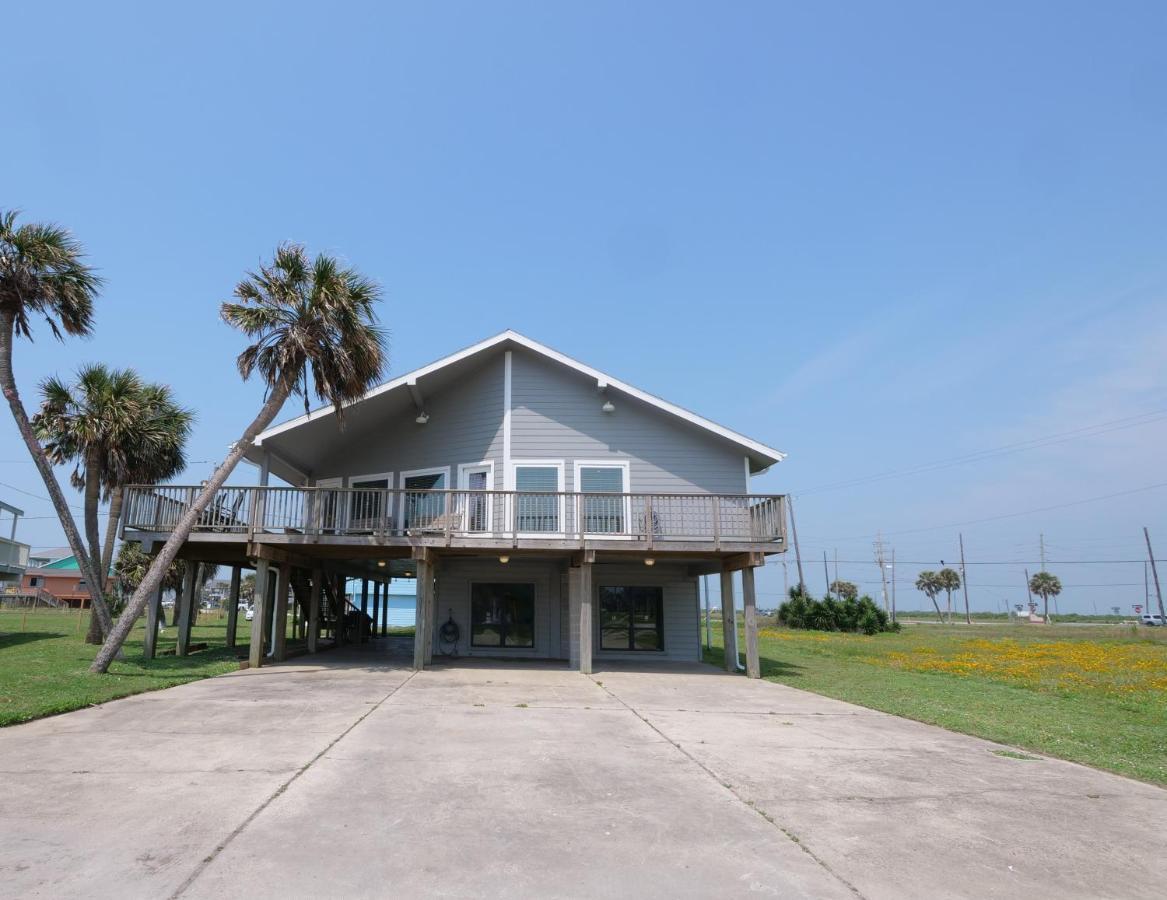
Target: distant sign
{"x":1138,"y":608}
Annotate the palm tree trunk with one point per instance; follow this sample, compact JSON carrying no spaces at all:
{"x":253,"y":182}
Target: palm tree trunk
{"x":60,"y":505}
{"x":939,"y":614}
{"x":183,"y":529}
{"x":116,"y":499}
{"x":96,"y":632}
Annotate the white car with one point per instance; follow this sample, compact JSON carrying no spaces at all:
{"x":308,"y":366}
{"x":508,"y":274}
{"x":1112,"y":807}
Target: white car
{"x":1149,"y":619}
{"x":249,"y":615}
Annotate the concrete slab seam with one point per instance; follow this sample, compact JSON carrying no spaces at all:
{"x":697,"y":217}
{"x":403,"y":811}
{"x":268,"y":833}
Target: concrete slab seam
{"x":202,"y":866}
{"x":789,"y":835}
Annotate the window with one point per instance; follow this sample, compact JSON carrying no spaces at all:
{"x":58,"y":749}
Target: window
{"x":536,"y":514}
{"x":422,"y":508}
{"x":502,"y":615}
{"x":631,"y":618}
{"x":603,"y":515}
{"x":368,"y":501}
{"x":34,"y":581}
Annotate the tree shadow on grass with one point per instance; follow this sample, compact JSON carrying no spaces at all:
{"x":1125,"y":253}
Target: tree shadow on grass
{"x":25,"y":637}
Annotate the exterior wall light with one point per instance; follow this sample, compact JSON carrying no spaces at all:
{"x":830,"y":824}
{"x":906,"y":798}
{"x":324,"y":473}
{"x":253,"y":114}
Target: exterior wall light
{"x":608,"y":407}
{"x":422,"y":418}
{"x":504,"y":559}
{"x":381,"y":563}
{"x":649,"y":561}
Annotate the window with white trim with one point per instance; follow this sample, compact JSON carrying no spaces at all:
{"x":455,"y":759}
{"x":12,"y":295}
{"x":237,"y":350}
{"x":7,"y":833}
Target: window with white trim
{"x":420,"y":507}
{"x":603,"y":515}
{"x":369,"y":501}
{"x":535,"y":514}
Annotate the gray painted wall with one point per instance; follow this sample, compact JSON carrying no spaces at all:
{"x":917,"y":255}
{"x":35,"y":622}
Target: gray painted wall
{"x":681,"y":619}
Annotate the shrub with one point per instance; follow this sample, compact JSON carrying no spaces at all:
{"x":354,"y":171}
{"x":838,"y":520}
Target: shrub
{"x":829,"y":614}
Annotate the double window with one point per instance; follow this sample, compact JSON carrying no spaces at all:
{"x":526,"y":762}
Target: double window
{"x":502,"y":615}
{"x":631,"y":618}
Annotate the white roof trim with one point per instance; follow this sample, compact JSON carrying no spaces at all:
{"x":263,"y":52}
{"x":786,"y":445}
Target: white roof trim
{"x":543,"y":350}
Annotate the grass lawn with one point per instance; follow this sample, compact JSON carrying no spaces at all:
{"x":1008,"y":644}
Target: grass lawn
{"x":1091,"y":694}
{"x":44,"y":662}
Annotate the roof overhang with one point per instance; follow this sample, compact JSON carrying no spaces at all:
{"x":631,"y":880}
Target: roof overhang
{"x":405,"y":391}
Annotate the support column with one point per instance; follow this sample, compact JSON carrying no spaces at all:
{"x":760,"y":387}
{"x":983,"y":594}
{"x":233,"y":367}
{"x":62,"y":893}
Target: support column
{"x":314,"y":610}
{"x":280,"y":611}
{"x":186,"y":607}
{"x":431,"y":612}
{"x":425,"y":586}
{"x":579,"y":603}
{"x":749,"y":599}
{"x":364,"y":604}
{"x":152,"y":613}
{"x":385,"y":605}
{"x":375,"y":630}
{"x":259,"y":609}
{"x":728,"y":622}
{"x":233,"y":606}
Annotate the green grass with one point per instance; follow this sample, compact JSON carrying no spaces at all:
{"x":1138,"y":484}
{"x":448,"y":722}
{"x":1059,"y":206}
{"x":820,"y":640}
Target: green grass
{"x":1091,"y":694}
{"x":44,"y":662}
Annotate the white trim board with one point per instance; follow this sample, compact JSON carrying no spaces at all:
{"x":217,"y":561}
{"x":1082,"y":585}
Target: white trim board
{"x":543,"y":350}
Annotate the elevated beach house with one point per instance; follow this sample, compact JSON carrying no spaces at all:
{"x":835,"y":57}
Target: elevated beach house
{"x":546,"y":510}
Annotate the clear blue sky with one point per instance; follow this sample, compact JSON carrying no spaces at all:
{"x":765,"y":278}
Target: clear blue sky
{"x":873,"y":235}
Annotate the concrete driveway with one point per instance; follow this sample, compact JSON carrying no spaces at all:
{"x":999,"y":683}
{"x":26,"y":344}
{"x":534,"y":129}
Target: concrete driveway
{"x":348,"y":775}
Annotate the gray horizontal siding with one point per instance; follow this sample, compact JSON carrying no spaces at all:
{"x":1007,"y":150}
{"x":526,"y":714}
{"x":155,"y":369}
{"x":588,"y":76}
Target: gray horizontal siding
{"x":556,"y":414}
{"x":465,"y":426}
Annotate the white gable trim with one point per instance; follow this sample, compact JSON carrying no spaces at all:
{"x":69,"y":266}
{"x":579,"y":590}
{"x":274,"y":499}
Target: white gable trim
{"x":555,"y":355}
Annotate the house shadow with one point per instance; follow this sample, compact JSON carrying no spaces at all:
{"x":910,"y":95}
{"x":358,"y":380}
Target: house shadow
{"x":771,"y":666}
{"x":16,"y":639}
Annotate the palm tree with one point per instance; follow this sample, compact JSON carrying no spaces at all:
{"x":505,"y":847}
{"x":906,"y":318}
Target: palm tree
{"x":845,"y":590}
{"x":158,"y":454}
{"x":949,"y":581}
{"x":929,"y":583}
{"x":308,"y":318}
{"x":91,"y":424}
{"x":1045,"y":585}
{"x":42,"y":274}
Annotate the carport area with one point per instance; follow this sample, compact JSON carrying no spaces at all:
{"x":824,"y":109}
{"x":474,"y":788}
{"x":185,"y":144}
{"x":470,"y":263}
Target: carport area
{"x":349,"y":774}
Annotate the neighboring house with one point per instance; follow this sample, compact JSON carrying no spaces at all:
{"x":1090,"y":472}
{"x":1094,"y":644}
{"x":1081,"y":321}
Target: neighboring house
{"x":13,"y":554}
{"x":59,"y":576}
{"x":548,"y":509}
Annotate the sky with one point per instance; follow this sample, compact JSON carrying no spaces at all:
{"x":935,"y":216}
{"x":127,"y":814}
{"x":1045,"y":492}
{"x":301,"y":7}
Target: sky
{"x":885,"y":238}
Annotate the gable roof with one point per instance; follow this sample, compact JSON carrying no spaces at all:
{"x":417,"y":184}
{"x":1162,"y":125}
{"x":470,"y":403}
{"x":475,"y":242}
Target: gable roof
{"x":767,"y":456}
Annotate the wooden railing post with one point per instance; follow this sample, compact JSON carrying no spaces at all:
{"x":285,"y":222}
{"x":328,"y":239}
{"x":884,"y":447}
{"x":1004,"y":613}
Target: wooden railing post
{"x":716,"y":521}
{"x":649,"y":525}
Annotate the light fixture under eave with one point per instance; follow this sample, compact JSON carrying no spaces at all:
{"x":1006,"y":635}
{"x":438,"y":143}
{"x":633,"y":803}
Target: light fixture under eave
{"x":504,"y":559}
{"x":649,"y":561}
{"x":608,"y":406}
{"x":422,"y":418}
{"x":408,"y":574}
{"x":381,"y":563}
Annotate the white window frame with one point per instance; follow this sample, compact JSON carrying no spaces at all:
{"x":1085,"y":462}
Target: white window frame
{"x":316,"y":515}
{"x":623,"y":464}
{"x":410,"y":473}
{"x":560,"y":465}
{"x":375,"y":476}
{"x":464,"y":470}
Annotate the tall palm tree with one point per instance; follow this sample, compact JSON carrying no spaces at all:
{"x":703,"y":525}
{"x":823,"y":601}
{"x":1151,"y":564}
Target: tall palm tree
{"x":158,"y":455}
{"x":949,"y":581}
{"x":929,"y":583}
{"x":91,"y":424}
{"x":1045,"y":585}
{"x":42,"y":273}
{"x":308,"y":319}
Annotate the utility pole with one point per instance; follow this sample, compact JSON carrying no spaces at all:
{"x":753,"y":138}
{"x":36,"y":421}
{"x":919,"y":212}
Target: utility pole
{"x":826,"y":573}
{"x":964,"y":581}
{"x":893,"y":584}
{"x":836,"y":564}
{"x":1041,"y":543}
{"x":882,"y":570}
{"x":794,"y":534}
{"x":1155,"y":572}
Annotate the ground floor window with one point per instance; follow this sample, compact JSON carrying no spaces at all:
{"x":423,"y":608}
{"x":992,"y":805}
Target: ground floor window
{"x":631,"y":618}
{"x":502,"y":615}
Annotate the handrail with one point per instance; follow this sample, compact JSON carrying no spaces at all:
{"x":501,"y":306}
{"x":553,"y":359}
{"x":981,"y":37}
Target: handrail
{"x":450,"y":513}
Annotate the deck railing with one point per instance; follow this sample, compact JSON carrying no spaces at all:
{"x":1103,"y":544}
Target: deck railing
{"x":465,"y":514}
{"x":13,"y":554}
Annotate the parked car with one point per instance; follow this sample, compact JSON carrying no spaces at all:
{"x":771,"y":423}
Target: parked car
{"x":1149,"y":619}
{"x":250,"y":614}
